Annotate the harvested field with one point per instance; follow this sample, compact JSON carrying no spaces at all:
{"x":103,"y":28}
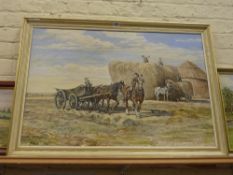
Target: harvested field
{"x":161,"y":124}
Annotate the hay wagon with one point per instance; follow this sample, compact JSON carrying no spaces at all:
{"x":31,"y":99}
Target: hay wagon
{"x":79,"y":97}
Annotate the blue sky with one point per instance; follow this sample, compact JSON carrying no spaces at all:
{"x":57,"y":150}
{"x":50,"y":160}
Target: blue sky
{"x":78,"y":54}
{"x":60,"y":50}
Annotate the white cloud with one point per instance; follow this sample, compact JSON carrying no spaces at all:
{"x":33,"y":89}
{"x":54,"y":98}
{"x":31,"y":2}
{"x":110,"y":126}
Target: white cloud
{"x":133,"y":43}
{"x":130,"y":38}
{"x":67,"y":46}
{"x":138,"y":45}
{"x":170,"y":55}
{"x":73,"y":39}
{"x":45,"y":78}
{"x":67,"y":76}
{"x":189,"y":40}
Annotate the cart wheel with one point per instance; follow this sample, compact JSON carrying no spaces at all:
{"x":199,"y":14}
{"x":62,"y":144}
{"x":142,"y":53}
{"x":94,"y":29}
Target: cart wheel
{"x":73,"y":101}
{"x":60,"y":100}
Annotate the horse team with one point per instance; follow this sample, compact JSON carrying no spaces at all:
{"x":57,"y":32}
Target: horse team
{"x":98,"y":97}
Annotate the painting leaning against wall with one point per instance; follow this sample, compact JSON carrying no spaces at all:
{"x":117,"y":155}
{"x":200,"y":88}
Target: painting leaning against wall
{"x":99,"y":89}
{"x":226,"y":81}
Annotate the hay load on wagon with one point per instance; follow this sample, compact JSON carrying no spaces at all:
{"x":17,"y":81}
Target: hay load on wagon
{"x":197,"y":77}
{"x":194,"y":79}
{"x":154,"y":74}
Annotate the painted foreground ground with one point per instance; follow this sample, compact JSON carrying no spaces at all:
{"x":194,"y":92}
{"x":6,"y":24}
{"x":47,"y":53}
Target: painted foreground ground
{"x":4,"y":128}
{"x":175,"y":124}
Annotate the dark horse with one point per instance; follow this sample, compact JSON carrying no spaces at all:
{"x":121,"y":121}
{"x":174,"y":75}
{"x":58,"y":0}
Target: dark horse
{"x":136,"y":95}
{"x":110,"y":92}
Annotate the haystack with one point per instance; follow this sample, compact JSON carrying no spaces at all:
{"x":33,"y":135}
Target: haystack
{"x":197,"y":77}
{"x":153,"y":74}
{"x":171,"y":72}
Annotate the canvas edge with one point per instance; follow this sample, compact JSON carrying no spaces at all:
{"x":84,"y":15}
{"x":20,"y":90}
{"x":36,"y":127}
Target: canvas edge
{"x":229,"y":71}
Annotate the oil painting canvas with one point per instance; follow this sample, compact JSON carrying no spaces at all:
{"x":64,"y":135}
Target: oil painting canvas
{"x":103,"y":88}
{"x":6,"y":102}
{"x":226,"y":80}
{"x":112,"y":89}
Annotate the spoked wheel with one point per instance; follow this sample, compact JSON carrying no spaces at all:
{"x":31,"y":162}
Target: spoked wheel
{"x":60,"y":100}
{"x":73,"y":101}
{"x":96,"y":103}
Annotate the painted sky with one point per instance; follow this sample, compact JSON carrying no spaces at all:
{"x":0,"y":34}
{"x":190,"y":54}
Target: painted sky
{"x":6,"y":97}
{"x":62,"y":58}
{"x":226,"y":80}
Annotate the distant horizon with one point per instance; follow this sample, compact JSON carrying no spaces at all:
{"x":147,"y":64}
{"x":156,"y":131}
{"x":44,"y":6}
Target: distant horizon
{"x":62,"y":58}
{"x":82,"y":83}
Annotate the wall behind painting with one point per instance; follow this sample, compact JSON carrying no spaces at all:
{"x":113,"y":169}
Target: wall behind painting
{"x":218,"y":13}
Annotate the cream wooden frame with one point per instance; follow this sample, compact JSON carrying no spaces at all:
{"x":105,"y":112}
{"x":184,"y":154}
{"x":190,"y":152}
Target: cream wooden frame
{"x":227,"y":70}
{"x":116,"y":153}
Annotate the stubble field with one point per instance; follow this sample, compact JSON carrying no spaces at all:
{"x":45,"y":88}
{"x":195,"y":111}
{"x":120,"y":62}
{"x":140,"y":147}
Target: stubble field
{"x":161,"y":124}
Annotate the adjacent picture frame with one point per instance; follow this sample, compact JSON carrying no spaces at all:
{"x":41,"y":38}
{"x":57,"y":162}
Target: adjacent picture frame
{"x":226,"y":79}
{"x":6,"y":104}
{"x":106,"y":89}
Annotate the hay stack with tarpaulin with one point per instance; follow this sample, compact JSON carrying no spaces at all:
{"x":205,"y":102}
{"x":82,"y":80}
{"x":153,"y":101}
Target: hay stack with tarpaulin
{"x":154,"y":74}
{"x":197,"y":77}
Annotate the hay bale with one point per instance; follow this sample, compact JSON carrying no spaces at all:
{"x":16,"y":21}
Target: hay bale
{"x":186,"y":87}
{"x":179,"y":90}
{"x":171,"y":73}
{"x":153,"y":74}
{"x":175,"y":92}
{"x":197,"y":77}
{"x":189,"y":70}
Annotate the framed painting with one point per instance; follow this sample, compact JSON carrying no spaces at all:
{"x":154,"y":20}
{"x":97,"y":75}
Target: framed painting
{"x":226,"y":83}
{"x":6,"y":103}
{"x":116,"y":90}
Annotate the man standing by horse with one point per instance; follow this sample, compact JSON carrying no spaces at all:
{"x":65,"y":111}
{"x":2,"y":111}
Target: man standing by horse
{"x":88,"y":85}
{"x":135,"y":93}
{"x":141,"y":82}
{"x":135,"y":81}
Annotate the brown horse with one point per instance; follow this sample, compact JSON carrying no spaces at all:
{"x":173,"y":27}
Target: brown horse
{"x":110,"y":92}
{"x":136,"y":95}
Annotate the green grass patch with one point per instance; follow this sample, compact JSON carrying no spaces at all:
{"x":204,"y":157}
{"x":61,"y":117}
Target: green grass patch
{"x":193,"y":112}
{"x":230,"y":138}
{"x":5,"y":114}
{"x":229,"y":115}
{"x":188,"y":124}
{"x":4,"y":131}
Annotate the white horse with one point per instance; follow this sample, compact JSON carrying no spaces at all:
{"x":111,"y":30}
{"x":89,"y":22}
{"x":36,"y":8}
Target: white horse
{"x":161,"y":91}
